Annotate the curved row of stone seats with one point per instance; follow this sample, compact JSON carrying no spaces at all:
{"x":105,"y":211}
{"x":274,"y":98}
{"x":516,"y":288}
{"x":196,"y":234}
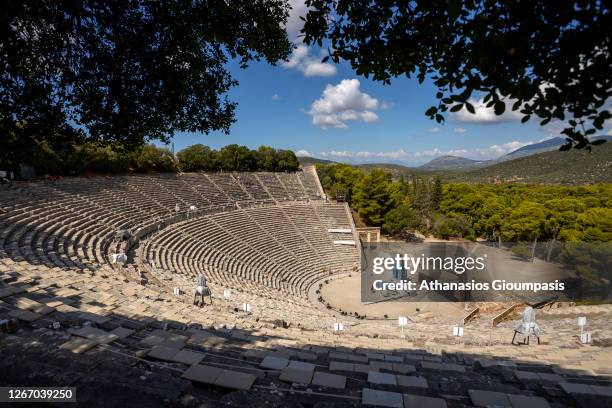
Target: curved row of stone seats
{"x":273,"y":186}
{"x":185,"y":195}
{"x":155,"y":302}
{"x":243,"y":226}
{"x":72,"y":223}
{"x":221,"y":349}
{"x":244,"y":186}
{"x":202,"y":185}
{"x":37,"y":238}
{"x":276,"y":223}
{"x":335,"y":218}
{"x":229,"y":184}
{"x":185,"y":268}
{"x":252,"y":184}
{"x":293,"y":185}
{"x":93,"y":208}
{"x":218,"y":280}
{"x":263,"y":245}
{"x":310,"y":226}
{"x":213,"y":250}
{"x":309,"y":180}
{"x":70,"y":228}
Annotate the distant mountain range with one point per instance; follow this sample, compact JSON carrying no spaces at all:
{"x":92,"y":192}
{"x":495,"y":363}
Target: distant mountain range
{"x":307,"y":161}
{"x":460,"y":163}
{"x":574,"y":167}
{"x":535,"y":148}
{"x":453,"y":162}
{"x":535,"y":163}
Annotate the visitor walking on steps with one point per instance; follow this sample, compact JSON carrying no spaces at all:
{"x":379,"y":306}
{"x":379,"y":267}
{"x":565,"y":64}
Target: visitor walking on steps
{"x":200,"y":289}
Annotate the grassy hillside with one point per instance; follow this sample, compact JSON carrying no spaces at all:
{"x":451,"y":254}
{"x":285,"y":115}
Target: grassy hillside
{"x":572,"y":168}
{"x":395,"y":169}
{"x":307,"y":161}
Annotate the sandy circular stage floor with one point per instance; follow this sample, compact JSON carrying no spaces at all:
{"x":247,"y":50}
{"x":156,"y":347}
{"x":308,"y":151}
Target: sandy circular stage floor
{"x":345,"y":294}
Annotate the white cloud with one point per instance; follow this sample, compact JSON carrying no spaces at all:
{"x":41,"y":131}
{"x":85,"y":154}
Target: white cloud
{"x":297,"y":56}
{"x":437,"y":152}
{"x":485,"y":115}
{"x":319,"y":69}
{"x":485,"y":153}
{"x":347,"y":154}
{"x":396,"y":154}
{"x":334,"y":153}
{"x":460,"y":130}
{"x":310,"y":66}
{"x":433,"y":129}
{"x":275,"y":97}
{"x":386,"y":105}
{"x":418,"y":157}
{"x":302,"y":152}
{"x":553,"y":128}
{"x":342,"y":103}
{"x":294,"y":23}
{"x":498,"y":150}
{"x":429,"y":153}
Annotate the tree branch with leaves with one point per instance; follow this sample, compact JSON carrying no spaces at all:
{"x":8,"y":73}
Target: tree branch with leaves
{"x":546,"y":59}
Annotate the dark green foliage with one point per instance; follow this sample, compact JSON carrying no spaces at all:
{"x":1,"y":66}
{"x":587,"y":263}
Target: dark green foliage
{"x":236,"y":158}
{"x":105,"y":159}
{"x":452,"y":226}
{"x":506,"y":212}
{"x":590,"y":259}
{"x":374,"y":195}
{"x":267,"y":158}
{"x":399,"y":221}
{"x":339,"y":178}
{"x":125,"y":71}
{"x":547,"y":59}
{"x":436,"y":194}
{"x":198,"y":158}
{"x":96,"y":158}
{"x":530,"y":212}
{"x":287,"y":161}
{"x":153,"y":158}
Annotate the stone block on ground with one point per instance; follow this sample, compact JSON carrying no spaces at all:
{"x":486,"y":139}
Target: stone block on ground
{"x":381,"y":398}
{"x":329,"y":380}
{"x":411,"y":381}
{"x":77,"y":345}
{"x":274,"y":362}
{"x":202,"y":373}
{"x":482,"y":398}
{"x":419,"y":401}
{"x":188,"y":357}
{"x":376,"y":377}
{"x":235,"y":380}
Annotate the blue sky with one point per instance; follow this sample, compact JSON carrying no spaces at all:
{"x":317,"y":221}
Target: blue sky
{"x":326,"y":111}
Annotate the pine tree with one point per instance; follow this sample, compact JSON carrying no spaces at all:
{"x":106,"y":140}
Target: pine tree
{"x":436,"y":194}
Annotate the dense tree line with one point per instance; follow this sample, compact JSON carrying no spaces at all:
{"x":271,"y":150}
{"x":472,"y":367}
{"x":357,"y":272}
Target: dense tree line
{"x":510,"y":212}
{"x":575,"y":222}
{"x":236,"y":158}
{"x":528,"y":212}
{"x":95,"y":158}
{"x":110,"y":159}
